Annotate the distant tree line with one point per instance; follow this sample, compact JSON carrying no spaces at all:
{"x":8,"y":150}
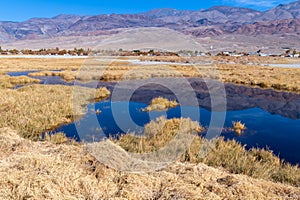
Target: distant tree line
{"x":52,"y":51}
{"x":182,"y":53}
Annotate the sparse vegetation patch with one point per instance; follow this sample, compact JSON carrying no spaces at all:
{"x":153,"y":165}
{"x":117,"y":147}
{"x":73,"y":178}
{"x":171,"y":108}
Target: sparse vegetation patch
{"x":238,"y":127}
{"x":12,"y":81}
{"x":160,"y":104}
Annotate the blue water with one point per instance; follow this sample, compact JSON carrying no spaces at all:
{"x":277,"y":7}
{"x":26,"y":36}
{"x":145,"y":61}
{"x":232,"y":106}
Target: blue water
{"x":56,"y":80}
{"x":24,"y":73}
{"x":264,"y":130}
{"x":272,"y":118}
{"x":50,"y":80}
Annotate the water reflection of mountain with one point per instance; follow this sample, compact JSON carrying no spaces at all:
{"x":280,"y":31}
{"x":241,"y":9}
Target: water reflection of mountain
{"x":281,"y":103}
{"x":237,"y":97}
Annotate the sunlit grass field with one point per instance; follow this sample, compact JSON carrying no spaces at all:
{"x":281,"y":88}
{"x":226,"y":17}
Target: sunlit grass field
{"x":40,"y":166}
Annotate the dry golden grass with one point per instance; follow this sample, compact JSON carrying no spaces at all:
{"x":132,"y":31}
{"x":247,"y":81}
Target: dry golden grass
{"x":43,"y":170}
{"x":160,"y":104}
{"x":26,"y":64}
{"x":238,"y":127}
{"x":238,"y":71}
{"x":231,"y":70}
{"x":256,"y":60}
{"x":67,"y":75}
{"x":157,"y":134}
{"x":164,"y":59}
{"x":256,"y":163}
{"x":34,"y":109}
{"x":11,"y":81}
{"x":101,"y":93}
{"x":58,"y":138}
{"x":117,"y":73}
{"x":282,"y":79}
{"x":230,"y":155}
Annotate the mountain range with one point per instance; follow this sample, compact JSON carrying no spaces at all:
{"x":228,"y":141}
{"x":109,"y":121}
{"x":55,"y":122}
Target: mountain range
{"x":215,"y":21}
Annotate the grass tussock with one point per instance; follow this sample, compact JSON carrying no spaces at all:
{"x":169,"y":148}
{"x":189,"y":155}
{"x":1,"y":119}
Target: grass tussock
{"x":238,"y":127}
{"x":157,"y":134}
{"x":35,"y":109}
{"x":101,"y":93}
{"x":43,"y":170}
{"x":58,"y":138}
{"x":12,"y":81}
{"x":160,"y":104}
{"x":230,"y":155}
{"x":67,"y":75}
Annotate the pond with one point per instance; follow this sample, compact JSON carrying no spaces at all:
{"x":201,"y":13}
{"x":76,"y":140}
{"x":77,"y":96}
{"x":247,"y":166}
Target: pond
{"x":272,"y":118}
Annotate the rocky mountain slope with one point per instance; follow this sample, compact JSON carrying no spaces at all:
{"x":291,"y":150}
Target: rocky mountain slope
{"x":288,"y":11}
{"x":270,"y":27}
{"x":215,"y":21}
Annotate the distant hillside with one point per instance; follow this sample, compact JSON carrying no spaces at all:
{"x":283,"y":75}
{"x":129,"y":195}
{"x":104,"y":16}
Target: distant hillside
{"x":213,"y":22}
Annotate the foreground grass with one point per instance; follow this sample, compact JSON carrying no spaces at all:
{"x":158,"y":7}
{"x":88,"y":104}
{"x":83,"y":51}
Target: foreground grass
{"x":256,"y":163}
{"x":230,"y":155}
{"x":34,"y":109}
{"x":43,"y":170}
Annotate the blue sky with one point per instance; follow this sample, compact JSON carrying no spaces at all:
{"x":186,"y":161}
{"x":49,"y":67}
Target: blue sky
{"x":20,"y":10}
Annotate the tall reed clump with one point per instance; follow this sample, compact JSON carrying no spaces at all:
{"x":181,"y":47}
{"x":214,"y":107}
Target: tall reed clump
{"x":257,"y":163}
